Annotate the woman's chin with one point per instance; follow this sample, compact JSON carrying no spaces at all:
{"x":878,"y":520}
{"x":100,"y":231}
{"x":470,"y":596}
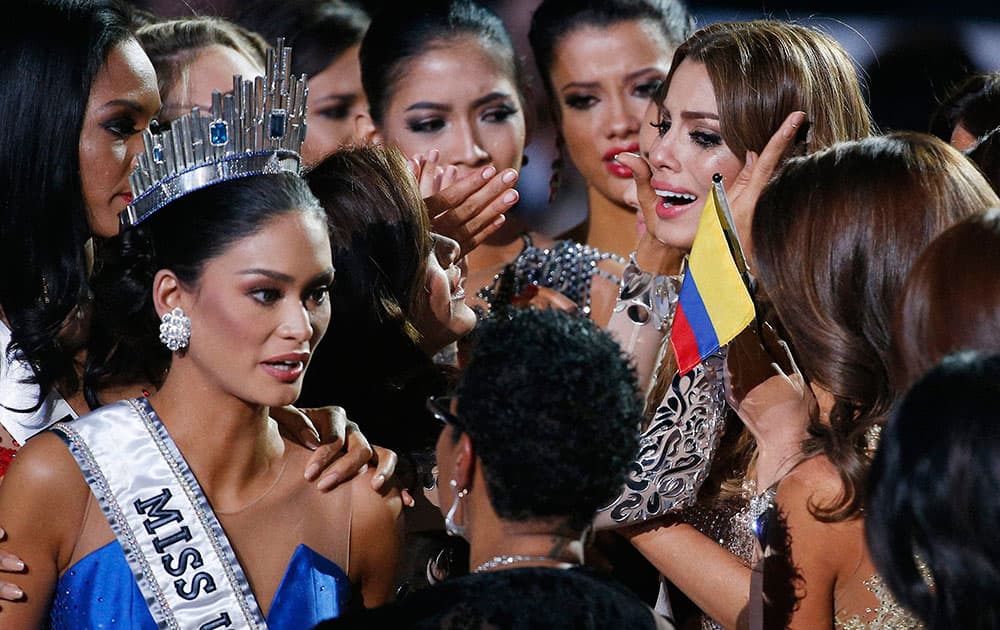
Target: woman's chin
{"x":672,"y":236}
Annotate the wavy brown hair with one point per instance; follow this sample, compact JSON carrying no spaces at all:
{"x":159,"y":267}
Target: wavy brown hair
{"x":835,"y":234}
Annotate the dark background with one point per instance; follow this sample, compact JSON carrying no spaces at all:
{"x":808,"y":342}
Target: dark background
{"x":909,"y":55}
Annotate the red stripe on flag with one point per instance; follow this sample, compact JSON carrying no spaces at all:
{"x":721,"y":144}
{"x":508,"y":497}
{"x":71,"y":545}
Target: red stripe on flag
{"x":683,"y":339}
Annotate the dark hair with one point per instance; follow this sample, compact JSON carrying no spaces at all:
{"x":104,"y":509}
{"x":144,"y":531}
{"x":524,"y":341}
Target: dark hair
{"x":182,"y":236}
{"x":553,"y":410}
{"x":381,"y":243}
{"x":172,"y":45}
{"x":951,"y":299}
{"x":553,"y":20}
{"x":52,"y":51}
{"x":402,"y":32}
{"x":861,"y":211}
{"x":974,"y":103}
{"x":985,"y":154}
{"x":318,"y":30}
{"x":934,"y":498}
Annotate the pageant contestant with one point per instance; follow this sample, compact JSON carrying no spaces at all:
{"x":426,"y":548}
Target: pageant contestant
{"x":66,"y":182}
{"x":326,"y":36}
{"x":601,"y":61}
{"x":416,"y":64}
{"x":186,"y":508}
{"x":701,"y":123}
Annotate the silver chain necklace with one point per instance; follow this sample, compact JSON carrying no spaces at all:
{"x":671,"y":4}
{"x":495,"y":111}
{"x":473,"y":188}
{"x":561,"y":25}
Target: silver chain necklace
{"x":503,"y":561}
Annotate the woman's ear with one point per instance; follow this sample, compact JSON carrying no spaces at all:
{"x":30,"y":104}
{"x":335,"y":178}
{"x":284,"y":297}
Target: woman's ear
{"x":364,"y":129}
{"x":167,"y":292}
{"x":464,"y":465}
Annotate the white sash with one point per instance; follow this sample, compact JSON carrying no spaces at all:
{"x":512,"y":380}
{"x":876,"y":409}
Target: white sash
{"x":180,"y":556}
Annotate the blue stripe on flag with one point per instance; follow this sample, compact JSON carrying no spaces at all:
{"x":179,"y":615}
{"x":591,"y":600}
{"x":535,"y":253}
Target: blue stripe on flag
{"x":697,"y":316}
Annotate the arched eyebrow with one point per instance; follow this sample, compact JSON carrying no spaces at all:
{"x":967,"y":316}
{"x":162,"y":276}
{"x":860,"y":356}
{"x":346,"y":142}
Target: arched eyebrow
{"x":631,"y":76}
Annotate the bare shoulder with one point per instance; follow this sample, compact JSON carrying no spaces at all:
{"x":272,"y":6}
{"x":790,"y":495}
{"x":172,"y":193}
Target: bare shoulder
{"x":370,"y":507}
{"x":44,"y":466}
{"x":816,"y":483}
{"x":43,"y":500}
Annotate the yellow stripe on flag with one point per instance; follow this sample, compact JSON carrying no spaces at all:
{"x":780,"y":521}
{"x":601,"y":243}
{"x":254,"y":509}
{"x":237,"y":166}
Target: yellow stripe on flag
{"x":723,"y":292}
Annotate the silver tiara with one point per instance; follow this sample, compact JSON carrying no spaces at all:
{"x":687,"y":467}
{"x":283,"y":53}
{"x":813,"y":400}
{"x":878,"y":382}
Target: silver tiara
{"x":256,"y":129}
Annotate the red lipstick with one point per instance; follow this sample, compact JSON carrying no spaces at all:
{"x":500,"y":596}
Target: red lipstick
{"x":616,"y":169}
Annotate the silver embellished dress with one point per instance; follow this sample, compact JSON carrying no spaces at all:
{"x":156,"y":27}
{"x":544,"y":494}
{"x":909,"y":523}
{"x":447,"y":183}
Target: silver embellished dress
{"x":567,"y":267}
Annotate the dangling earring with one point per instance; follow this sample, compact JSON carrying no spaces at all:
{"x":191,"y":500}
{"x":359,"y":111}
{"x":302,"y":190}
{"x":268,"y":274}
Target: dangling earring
{"x":557,"y":164}
{"x":175,"y":330}
{"x":450,"y":526}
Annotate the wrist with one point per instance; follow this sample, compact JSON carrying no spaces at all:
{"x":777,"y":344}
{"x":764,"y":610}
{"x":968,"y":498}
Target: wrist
{"x":648,"y":298}
{"x":656,"y":257}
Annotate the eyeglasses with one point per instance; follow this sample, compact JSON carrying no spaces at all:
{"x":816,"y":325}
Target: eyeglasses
{"x":440,"y":407}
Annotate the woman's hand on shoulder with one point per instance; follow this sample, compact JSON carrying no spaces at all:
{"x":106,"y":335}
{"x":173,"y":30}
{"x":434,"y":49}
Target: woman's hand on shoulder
{"x":10,"y":563}
{"x":340,"y":449}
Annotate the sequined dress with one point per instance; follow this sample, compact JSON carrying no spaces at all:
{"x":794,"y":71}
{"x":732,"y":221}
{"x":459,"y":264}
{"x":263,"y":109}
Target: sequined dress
{"x":567,"y":267}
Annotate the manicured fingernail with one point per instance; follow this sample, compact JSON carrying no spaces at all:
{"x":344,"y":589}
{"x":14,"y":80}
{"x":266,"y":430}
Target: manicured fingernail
{"x":378,"y":481}
{"x":311,"y":471}
{"x":509,"y":177}
{"x":308,"y":440}
{"x":489,"y":172}
{"x":499,"y":220}
{"x":13,"y":593}
{"x":510,"y":197}
{"x":10,"y":564}
{"x":328,"y":482}
{"x":435,"y":154}
{"x":408,"y":501}
{"x":796,"y":121}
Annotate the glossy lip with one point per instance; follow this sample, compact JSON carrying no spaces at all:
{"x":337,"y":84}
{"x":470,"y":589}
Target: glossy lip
{"x":286,"y":375}
{"x":616,"y":169}
{"x":670,"y":211}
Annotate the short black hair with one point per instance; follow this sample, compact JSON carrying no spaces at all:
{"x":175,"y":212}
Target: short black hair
{"x":553,"y":410}
{"x":934,"y":495}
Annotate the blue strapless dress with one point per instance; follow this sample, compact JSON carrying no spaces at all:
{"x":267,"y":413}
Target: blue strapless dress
{"x":100,"y":592}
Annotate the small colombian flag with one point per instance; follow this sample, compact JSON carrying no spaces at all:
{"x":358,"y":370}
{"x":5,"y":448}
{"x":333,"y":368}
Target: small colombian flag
{"x":714,"y":304}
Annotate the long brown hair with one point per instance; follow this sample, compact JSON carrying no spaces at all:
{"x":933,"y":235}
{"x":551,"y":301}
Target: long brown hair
{"x":951,"y":299}
{"x":835,"y":234}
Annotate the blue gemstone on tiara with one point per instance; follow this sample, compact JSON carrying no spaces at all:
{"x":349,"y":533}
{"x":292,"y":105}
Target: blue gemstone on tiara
{"x":278,"y":124}
{"x":218,"y":133}
{"x":256,"y":129}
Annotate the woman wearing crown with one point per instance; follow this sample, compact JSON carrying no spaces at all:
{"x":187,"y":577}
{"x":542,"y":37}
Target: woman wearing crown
{"x":186,"y":508}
